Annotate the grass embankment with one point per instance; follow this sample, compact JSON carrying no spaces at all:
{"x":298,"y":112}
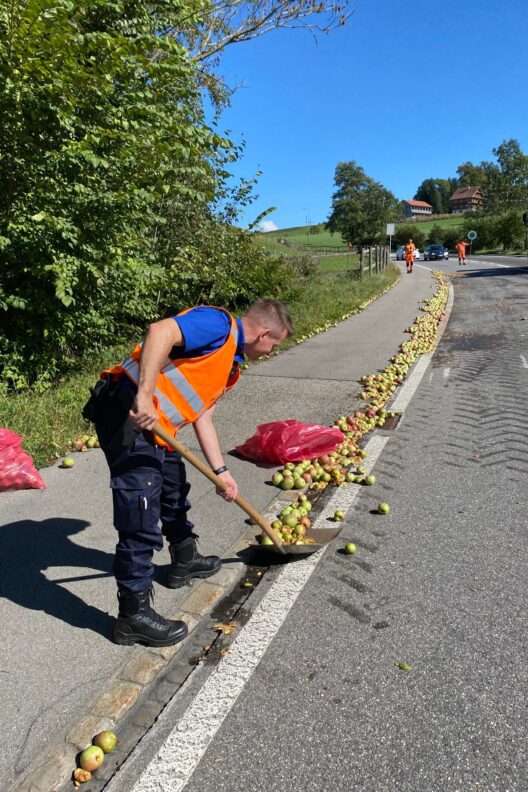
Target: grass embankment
{"x":425,"y":226}
{"x":49,"y":421}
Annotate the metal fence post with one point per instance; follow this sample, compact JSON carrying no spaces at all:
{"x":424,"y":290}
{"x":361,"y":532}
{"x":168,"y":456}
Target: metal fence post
{"x":370,"y":260}
{"x":361,"y":263}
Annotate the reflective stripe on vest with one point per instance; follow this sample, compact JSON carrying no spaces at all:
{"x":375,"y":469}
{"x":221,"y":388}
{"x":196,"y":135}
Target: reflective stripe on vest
{"x":178,"y":381}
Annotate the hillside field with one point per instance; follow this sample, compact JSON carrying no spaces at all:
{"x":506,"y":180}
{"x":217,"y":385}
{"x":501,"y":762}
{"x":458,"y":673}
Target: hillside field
{"x":317,"y":237}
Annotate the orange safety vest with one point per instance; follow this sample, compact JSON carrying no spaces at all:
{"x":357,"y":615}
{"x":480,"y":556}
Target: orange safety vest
{"x":410,"y":247}
{"x":187,"y":387}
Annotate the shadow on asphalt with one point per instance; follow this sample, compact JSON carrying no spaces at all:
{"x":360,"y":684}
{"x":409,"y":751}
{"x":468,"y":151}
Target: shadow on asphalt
{"x":486,"y":273}
{"x":28,"y":548}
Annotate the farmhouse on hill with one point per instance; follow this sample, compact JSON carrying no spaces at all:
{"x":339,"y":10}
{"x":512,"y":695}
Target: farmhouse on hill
{"x":416,"y":208}
{"x":466,"y":199}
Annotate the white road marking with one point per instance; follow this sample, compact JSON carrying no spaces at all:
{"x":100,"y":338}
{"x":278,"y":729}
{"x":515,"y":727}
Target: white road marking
{"x":524,"y":362}
{"x":175,"y":762}
{"x":446,"y":372}
{"x":172,"y":767}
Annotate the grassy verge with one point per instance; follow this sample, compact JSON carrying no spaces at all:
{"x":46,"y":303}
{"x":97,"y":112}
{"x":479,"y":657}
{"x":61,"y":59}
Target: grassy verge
{"x":341,"y":263}
{"x":49,"y":421}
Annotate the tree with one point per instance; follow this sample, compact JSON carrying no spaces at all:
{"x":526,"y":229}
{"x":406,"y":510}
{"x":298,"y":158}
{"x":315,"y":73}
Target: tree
{"x":436,"y":192}
{"x":406,"y":232}
{"x":508,"y":183}
{"x":106,"y":162}
{"x":360,"y":206}
{"x":504,"y":182}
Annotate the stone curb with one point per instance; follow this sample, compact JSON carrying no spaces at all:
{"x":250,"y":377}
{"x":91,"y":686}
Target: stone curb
{"x":114,"y":701}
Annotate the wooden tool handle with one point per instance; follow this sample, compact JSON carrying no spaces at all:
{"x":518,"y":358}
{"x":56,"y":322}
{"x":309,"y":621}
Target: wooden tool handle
{"x":203,"y":468}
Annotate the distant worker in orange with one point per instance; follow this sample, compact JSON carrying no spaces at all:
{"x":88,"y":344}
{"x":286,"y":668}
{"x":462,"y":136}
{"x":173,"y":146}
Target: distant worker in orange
{"x":461,"y":250}
{"x":409,"y":248}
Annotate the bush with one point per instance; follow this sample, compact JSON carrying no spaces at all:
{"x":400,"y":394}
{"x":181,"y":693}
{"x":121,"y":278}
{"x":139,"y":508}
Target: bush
{"x":406,"y":232}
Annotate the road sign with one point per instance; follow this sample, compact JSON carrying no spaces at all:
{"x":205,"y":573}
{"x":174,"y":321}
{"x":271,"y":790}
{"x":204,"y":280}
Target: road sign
{"x":390,"y":229}
{"x":472,"y":235}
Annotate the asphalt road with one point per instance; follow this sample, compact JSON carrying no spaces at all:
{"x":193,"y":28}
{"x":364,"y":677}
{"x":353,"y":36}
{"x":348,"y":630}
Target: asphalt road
{"x":439,"y":584}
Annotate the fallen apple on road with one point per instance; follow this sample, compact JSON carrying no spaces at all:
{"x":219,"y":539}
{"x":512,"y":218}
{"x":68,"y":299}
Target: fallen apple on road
{"x":370,"y":480}
{"x":81,"y":776}
{"x":339,"y":515}
{"x":68,"y":462}
{"x":350,"y":548}
{"x":91,"y":758}
{"x":106,"y":740}
{"x":383,"y":508}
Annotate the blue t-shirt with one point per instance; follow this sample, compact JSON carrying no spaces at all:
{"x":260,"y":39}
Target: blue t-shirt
{"x":205,"y":329}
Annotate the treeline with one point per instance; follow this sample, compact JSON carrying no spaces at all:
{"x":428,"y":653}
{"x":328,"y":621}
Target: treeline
{"x":504,"y":231}
{"x":504,"y":181}
{"x":115,"y":205}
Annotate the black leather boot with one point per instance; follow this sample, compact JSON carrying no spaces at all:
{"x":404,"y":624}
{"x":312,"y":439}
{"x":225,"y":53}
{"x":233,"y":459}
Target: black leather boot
{"x":188,"y":563}
{"x":138,"y":622}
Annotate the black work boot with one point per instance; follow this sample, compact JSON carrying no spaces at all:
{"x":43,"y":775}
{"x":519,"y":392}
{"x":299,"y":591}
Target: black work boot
{"x":188,"y":563}
{"x":138,"y":622}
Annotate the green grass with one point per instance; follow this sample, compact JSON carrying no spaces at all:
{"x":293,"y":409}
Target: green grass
{"x":446,"y":222}
{"x":341,"y":263}
{"x":301,"y":236}
{"x":50,"y":421}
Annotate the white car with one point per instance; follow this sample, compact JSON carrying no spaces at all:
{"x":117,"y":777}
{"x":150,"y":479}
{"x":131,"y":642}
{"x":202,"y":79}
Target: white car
{"x":400,"y":253}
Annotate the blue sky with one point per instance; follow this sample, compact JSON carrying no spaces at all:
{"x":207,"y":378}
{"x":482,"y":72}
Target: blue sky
{"x":409,"y":89}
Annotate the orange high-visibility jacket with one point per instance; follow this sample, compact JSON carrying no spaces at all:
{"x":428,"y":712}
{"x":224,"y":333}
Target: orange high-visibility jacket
{"x":187,"y":387}
{"x":461,"y":247}
{"x":410,"y":247}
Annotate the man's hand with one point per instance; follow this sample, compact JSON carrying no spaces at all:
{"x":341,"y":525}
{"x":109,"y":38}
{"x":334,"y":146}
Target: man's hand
{"x":143,"y":414}
{"x":232,"y":487}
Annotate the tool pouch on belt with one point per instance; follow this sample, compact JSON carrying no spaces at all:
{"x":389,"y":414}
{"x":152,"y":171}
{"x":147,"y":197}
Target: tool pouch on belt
{"x":108,"y":408}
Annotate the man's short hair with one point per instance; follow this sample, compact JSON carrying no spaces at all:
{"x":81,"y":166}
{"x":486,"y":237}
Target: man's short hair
{"x":271,"y":314}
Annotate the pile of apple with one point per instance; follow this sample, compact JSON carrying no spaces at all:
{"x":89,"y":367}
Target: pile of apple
{"x":292,"y":523}
{"x":337,"y":467}
{"x":85,"y":442}
{"x":81,"y":443}
{"x":93,"y":756}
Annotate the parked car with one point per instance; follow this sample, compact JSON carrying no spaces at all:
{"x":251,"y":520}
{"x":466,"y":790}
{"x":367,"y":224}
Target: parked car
{"x":435,"y":252}
{"x":400,"y":253}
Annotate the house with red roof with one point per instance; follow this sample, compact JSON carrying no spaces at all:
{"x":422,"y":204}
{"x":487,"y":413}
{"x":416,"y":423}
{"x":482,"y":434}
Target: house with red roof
{"x":416,"y":208}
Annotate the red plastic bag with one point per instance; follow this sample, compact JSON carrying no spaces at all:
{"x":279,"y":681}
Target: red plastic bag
{"x":17,"y":470}
{"x":290,"y":441}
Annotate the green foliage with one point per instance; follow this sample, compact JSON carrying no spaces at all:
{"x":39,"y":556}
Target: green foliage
{"x":504,"y":182}
{"x":436,"y":192}
{"x":436,"y":235}
{"x":505,"y":230}
{"x":410,"y":231}
{"x":360,"y":206}
{"x":102,"y":139}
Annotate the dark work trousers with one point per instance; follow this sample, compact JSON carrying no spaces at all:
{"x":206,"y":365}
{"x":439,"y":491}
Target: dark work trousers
{"x":148,"y":484}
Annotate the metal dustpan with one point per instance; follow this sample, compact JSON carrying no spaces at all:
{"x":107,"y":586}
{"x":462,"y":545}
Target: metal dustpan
{"x":322,"y":537}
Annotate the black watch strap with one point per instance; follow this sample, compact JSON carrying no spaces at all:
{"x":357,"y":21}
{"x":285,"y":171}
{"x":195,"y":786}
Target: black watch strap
{"x":220,"y":470}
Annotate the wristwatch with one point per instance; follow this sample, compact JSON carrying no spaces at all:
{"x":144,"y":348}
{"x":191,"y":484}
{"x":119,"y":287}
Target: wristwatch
{"x":220,"y":470}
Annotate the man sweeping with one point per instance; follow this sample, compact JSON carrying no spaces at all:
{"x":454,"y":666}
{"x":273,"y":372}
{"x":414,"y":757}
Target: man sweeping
{"x":185,"y":364}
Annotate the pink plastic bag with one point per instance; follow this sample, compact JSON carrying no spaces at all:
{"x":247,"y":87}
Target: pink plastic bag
{"x":290,"y":441}
{"x":16,"y":467}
